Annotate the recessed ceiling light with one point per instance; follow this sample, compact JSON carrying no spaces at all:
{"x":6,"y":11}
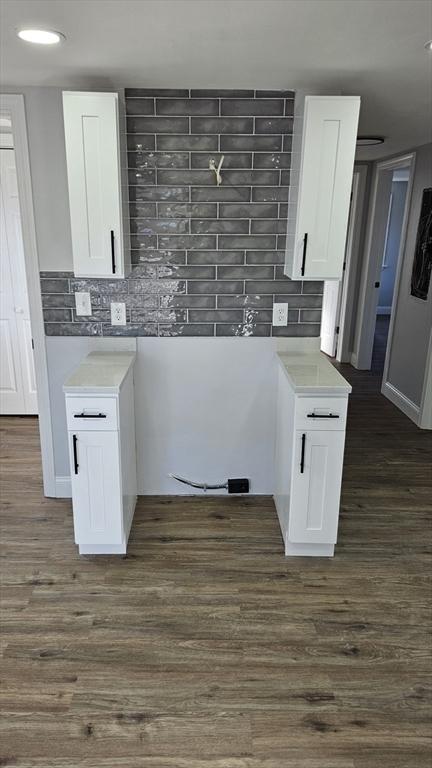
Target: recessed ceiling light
{"x":40,"y":36}
{"x":428,"y":45}
{"x":369,"y":141}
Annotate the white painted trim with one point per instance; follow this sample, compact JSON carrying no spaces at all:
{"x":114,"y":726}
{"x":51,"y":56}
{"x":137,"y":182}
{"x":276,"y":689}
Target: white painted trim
{"x":383,"y":310}
{"x":308,"y":550}
{"x":102,"y":549}
{"x":389,"y":213}
{"x":401,"y":401}
{"x":12,"y":105}
{"x":372,"y":265}
{"x":63,"y":487}
{"x":352,"y":256}
{"x":399,"y":265}
{"x":425,"y":421}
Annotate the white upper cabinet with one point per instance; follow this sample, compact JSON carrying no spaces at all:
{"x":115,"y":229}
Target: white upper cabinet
{"x":92,"y":136}
{"x":324,"y":141}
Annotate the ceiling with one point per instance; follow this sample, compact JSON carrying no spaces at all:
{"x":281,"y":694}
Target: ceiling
{"x":374,"y":48}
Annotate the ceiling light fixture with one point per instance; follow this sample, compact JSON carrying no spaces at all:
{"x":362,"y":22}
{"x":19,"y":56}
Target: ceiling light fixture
{"x":369,"y":141}
{"x":428,"y":45}
{"x":40,"y":36}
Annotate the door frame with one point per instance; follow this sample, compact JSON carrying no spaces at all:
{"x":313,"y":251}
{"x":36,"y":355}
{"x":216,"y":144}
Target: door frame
{"x":12,"y":106}
{"x":344,"y":317}
{"x":352,"y":257}
{"x":368,"y":297}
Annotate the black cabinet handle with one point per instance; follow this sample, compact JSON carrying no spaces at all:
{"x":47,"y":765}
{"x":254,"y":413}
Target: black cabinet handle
{"x":323,"y":416}
{"x":302,"y":459}
{"x":113,"y":253}
{"x":75,"y":454}
{"x":90,"y":415}
{"x":305,"y":239}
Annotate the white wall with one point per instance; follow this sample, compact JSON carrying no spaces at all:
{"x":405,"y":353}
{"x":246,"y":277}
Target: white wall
{"x":205,"y":408}
{"x":413,"y":317}
{"x":44,"y":115}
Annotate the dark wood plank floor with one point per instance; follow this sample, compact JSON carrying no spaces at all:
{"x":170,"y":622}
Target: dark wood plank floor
{"x":205,"y":647}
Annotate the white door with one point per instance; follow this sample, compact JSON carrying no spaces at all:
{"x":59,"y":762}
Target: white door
{"x":96,"y":487}
{"x":328,"y":149}
{"x":17,"y":376}
{"x":317,"y":476}
{"x":330,"y":316}
{"x":92,"y":154}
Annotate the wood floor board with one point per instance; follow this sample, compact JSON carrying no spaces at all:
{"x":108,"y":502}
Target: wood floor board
{"x":205,"y":647}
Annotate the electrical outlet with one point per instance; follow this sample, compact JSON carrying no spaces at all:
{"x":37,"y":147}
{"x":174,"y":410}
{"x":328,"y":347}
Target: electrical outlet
{"x":83,"y":303}
{"x":280,"y":314}
{"x":118,"y":313}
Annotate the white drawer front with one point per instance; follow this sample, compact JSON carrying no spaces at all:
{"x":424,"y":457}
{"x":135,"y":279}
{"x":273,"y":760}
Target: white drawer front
{"x":91,"y":413}
{"x":328,"y":413}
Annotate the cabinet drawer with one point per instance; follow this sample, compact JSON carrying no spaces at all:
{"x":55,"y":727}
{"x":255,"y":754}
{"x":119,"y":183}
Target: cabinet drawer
{"x":327,"y":413}
{"x":91,"y":413}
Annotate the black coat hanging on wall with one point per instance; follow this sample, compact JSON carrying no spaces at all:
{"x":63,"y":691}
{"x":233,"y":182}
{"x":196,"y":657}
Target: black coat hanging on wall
{"x":422,"y":264}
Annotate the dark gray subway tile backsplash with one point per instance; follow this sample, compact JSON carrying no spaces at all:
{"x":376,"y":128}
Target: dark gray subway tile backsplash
{"x":206,"y":107}
{"x":206,"y":260}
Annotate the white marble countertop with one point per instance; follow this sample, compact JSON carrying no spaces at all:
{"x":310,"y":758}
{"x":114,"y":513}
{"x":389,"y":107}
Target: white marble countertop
{"x":100,"y":372}
{"x":311,"y":373}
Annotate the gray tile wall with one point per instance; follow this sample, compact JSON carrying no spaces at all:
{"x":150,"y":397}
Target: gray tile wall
{"x":207,"y":260}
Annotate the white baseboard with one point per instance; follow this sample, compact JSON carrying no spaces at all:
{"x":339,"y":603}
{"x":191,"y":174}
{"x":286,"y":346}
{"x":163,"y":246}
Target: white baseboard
{"x":63,"y":488}
{"x":308,"y":550}
{"x":384,"y":310}
{"x":402,"y":402}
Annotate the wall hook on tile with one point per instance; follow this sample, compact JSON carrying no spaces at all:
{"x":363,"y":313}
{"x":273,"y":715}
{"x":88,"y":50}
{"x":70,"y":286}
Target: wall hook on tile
{"x":212,"y":167}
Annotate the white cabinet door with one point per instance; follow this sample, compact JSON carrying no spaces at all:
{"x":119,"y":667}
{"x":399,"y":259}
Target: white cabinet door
{"x":316,"y":484}
{"x":96,"y":487}
{"x":325,"y":179}
{"x":93,"y":166}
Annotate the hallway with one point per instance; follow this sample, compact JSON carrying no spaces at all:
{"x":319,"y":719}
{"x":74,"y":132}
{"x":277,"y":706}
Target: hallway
{"x":380,"y":344}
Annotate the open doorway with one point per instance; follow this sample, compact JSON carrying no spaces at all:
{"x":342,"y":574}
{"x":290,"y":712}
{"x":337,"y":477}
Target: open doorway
{"x":390,"y":256}
{"x":25,"y":352}
{"x":17,"y":374}
{"x":340,"y":296}
{"x":385,"y":241}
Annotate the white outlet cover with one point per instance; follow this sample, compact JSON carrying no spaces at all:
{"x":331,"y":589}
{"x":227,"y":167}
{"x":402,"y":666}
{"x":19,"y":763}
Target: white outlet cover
{"x":280,"y":314}
{"x":82,"y":303}
{"x":118,"y":313}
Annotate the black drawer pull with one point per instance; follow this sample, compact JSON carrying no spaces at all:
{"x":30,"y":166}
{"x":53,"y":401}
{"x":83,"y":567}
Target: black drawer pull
{"x":90,"y":415}
{"x":75,"y":455}
{"x":323,"y":416}
{"x":305,"y":239}
{"x":302,"y":459}
{"x":113,"y":264}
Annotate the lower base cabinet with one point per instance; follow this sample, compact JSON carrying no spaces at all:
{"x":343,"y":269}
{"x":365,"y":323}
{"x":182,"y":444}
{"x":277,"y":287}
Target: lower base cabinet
{"x":310,"y":440}
{"x":96,"y":487}
{"x":101,"y":435}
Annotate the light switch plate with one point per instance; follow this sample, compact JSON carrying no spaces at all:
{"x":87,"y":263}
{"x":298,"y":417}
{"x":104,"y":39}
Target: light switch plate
{"x":118,"y":313}
{"x":83,"y":303}
{"x":280,"y":314}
